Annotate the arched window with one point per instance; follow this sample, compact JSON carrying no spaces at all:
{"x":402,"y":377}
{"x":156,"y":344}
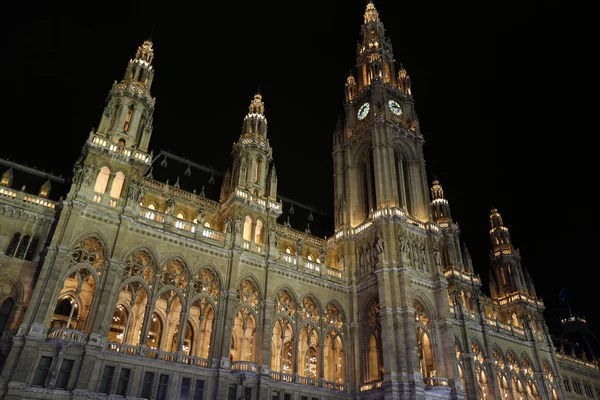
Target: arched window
{"x":118,"y":325}
{"x":22,"y":247}
{"x":309,"y":352}
{"x":179,"y":223}
{"x":400,"y":179}
{"x":128,"y":118}
{"x":207,"y":225}
{"x":258,"y":234}
{"x":150,"y":213}
{"x":5,"y":311}
{"x":102,"y":180}
{"x":424,"y":345}
{"x":282,"y":347}
{"x":367,"y":181}
{"x":374,"y":348}
{"x":201,"y":320}
{"x":310,"y":257}
{"x":248,"y":228}
{"x":333,"y":362}
{"x":31,"y":249}
{"x":75,"y":299}
{"x":116,"y":112}
{"x":244,"y":324}
{"x":117,"y":185}
{"x":153,"y":340}
{"x":12,"y":245}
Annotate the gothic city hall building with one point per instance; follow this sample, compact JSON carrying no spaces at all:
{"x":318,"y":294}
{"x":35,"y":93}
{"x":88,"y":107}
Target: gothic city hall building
{"x":150,"y":276}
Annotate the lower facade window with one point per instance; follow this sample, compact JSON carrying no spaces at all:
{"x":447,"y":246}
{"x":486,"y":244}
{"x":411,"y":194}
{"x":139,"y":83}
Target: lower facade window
{"x":199,"y":390}
{"x":41,"y":374}
{"x":65,"y":372}
{"x":123,"y":382}
{"x":147,"y":385}
{"x":184,"y":393}
{"x":107,"y":378}
{"x":163,"y":385}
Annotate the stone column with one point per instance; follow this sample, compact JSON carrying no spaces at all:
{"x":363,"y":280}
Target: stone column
{"x":223,"y":331}
{"x":267,"y":329}
{"x":104,"y":303}
{"x":43,"y":301}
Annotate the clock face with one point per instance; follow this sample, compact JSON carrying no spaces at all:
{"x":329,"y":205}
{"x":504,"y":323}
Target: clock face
{"x":363,"y":110}
{"x":395,"y":107}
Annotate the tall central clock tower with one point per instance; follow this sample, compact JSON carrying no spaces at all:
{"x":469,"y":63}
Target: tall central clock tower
{"x":385,"y":228}
{"x":378,"y":154}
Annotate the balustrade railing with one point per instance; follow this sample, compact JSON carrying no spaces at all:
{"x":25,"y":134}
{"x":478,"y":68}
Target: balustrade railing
{"x":197,"y":361}
{"x":123,"y":348}
{"x":288,"y":258}
{"x":371,"y":385}
{"x":340,"y":387}
{"x":244,"y":366}
{"x":334,"y":272}
{"x":103,"y":142}
{"x":312,"y":265}
{"x":280,"y":376}
{"x":66,"y":334}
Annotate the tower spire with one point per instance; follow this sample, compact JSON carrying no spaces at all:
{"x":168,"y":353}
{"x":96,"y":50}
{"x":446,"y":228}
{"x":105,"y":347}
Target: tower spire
{"x":375,"y":57}
{"x":252,"y":166}
{"x":441,"y":207}
{"x":127,"y":117}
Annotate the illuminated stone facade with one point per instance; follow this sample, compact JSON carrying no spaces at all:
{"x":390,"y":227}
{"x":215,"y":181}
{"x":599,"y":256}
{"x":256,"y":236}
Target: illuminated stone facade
{"x":147,"y":290}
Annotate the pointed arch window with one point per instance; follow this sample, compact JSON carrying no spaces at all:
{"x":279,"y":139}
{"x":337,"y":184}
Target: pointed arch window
{"x":22,"y":247}
{"x":374,"y":347}
{"x":31,"y":249}
{"x":23,"y":244}
{"x":117,"y":185}
{"x":74,"y":301}
{"x":258,"y":232}
{"x":102,"y":180}
{"x":13,"y":244}
{"x":128,"y":118}
{"x":248,"y":228}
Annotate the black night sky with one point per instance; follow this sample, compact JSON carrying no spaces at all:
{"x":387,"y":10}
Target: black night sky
{"x":501,"y":90}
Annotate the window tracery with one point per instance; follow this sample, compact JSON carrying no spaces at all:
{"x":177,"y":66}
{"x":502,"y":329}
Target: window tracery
{"x":89,"y":251}
{"x":174,"y":272}
{"x":333,"y":316}
{"x":247,"y":293}
{"x":285,"y":303}
{"x":206,"y":281}
{"x":141,"y":263}
{"x":310,"y":310}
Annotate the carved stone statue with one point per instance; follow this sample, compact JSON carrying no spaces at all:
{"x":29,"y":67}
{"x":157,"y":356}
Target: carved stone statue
{"x":404,"y":245}
{"x":228,"y":225}
{"x":379,"y":244}
{"x":342,"y":262}
{"x":141,"y":194}
{"x":170,"y":206}
{"x":132,"y":193}
{"x":201,"y":216}
{"x":89,"y":174}
{"x":238,"y":225}
{"x":423,"y":256}
{"x":322,"y":256}
{"x":436,"y":257}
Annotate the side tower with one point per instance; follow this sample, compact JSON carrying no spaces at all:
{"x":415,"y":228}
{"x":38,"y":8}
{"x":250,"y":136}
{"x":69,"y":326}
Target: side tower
{"x":249,"y":190}
{"x":75,"y":280}
{"x":384,"y":226}
{"x":117,"y":153}
{"x":510,"y":282}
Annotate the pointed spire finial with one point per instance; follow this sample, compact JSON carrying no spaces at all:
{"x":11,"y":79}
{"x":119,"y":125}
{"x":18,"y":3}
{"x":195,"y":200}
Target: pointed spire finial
{"x":371,"y":14}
